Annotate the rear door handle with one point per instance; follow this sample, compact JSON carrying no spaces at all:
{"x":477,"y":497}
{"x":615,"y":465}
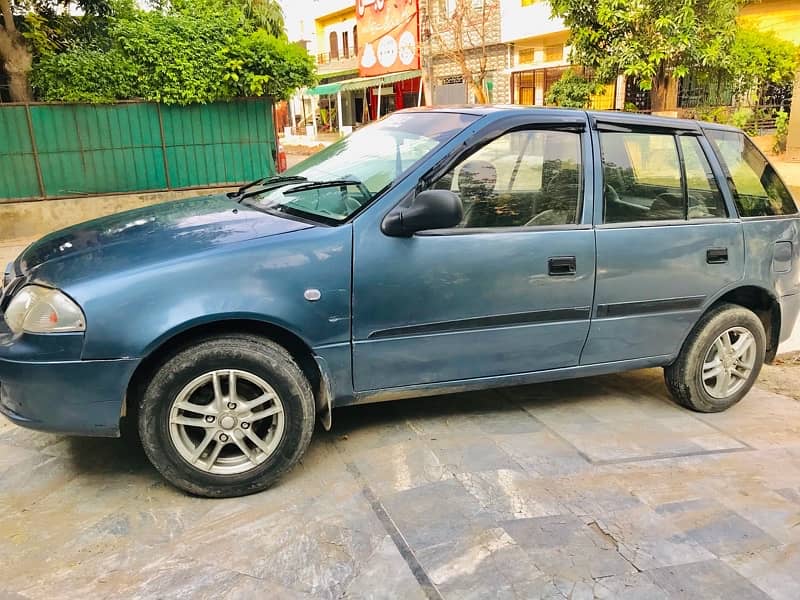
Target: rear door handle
{"x":716,"y":256}
{"x":558,"y":266}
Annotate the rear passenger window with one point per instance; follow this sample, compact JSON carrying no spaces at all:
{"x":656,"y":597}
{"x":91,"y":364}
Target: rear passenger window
{"x":642,"y":177}
{"x":705,"y":199}
{"x":757,"y":190}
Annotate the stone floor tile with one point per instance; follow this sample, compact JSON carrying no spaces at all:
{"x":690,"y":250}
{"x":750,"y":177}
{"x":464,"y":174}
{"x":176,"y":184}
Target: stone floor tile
{"x":462,"y":567}
{"x":436,"y":513}
{"x":564,"y":546}
{"x":633,"y":586}
{"x":138,"y":572}
{"x":776,"y":571}
{"x":401,"y":467}
{"x":649,"y":540}
{"x":711,"y":579}
{"x":11,"y":456}
{"x":510,"y":494}
{"x":464,"y":453}
{"x":384,"y":575}
{"x":542,"y":453}
{"x":715,"y":527}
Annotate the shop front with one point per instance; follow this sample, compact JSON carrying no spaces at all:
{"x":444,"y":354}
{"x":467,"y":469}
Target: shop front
{"x":345,"y":105}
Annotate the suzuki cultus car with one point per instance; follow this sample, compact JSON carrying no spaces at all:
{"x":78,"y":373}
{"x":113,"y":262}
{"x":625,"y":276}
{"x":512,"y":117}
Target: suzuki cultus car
{"x":436,"y":250}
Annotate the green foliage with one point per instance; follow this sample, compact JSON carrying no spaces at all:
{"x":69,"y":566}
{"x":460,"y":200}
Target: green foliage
{"x":85,"y":75}
{"x":781,"y":131}
{"x":712,"y":114}
{"x":190,"y":51}
{"x":260,"y":64}
{"x":572,"y":91}
{"x":741,"y":117}
{"x":648,"y":39}
{"x":757,"y":58}
{"x":266,"y":14}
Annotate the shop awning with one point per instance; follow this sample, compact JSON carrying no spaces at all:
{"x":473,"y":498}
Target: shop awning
{"x":359,"y":83}
{"x":325,"y":89}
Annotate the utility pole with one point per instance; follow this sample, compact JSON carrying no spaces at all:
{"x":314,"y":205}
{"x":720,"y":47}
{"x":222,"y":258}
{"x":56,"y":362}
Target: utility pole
{"x":427,"y":55}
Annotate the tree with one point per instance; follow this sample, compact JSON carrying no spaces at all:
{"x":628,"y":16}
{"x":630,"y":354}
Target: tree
{"x":461,"y":32}
{"x":31,"y":27}
{"x":14,"y":54}
{"x":655,"y":41}
{"x":572,"y":91}
{"x":190,"y":51}
{"x":266,"y":14}
{"x":757,"y":59}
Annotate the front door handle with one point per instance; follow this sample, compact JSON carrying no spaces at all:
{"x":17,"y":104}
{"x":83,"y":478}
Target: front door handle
{"x":558,"y":266}
{"x":716,"y":256}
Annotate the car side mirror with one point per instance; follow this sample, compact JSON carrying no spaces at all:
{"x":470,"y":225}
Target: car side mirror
{"x":431,"y":209}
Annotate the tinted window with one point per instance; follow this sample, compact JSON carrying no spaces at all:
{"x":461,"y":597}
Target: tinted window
{"x":524,"y":178}
{"x":705,"y":199}
{"x":642,"y":177}
{"x":757,"y":190}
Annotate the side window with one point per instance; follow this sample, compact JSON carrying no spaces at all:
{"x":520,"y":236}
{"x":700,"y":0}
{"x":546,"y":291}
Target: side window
{"x":523,"y":178}
{"x":705,"y":199}
{"x":757,"y":190}
{"x":642,"y":177}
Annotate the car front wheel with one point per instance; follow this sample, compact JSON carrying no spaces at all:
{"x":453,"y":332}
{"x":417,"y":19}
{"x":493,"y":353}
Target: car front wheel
{"x":227,"y":416}
{"x":720,"y":360}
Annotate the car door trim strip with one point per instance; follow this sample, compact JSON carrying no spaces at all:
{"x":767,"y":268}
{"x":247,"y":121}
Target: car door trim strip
{"x":525,"y":318}
{"x":629,"y":309}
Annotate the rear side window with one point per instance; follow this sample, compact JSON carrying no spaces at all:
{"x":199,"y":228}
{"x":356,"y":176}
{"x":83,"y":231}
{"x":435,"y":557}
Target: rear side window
{"x":756,"y":188}
{"x":642,"y":177}
{"x":705,"y":199}
{"x":657,"y":177}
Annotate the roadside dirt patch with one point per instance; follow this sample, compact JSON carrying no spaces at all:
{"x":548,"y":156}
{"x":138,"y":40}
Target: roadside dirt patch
{"x":782,"y":377}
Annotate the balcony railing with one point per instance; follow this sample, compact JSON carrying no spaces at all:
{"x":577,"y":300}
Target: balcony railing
{"x":345,"y":55}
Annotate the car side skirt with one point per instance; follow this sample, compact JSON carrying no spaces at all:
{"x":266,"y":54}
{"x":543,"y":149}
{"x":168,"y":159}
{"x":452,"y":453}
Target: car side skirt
{"x":484,"y":383}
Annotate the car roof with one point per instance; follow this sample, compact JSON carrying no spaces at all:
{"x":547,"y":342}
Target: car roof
{"x":595,"y":116}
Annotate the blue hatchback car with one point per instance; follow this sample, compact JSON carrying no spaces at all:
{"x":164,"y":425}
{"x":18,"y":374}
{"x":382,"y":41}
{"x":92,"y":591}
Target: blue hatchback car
{"x":437,"y":250}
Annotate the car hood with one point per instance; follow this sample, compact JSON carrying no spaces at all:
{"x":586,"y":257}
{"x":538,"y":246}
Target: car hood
{"x":155,"y":233}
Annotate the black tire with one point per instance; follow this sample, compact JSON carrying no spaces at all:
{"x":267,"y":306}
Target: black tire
{"x":684,"y":376}
{"x":264,"y":359}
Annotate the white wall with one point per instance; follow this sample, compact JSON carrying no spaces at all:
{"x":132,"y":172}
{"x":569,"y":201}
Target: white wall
{"x":519,"y":22}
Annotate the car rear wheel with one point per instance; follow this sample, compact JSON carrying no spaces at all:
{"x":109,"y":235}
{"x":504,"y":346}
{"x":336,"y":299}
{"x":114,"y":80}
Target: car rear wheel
{"x":720,"y":361}
{"x":227,"y":416}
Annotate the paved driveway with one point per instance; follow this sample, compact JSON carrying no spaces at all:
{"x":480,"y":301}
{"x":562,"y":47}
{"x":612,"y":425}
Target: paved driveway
{"x":598,"y":487}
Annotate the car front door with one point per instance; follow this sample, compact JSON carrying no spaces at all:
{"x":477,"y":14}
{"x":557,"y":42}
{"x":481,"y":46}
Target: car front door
{"x":666,"y":245}
{"x":507,"y":291}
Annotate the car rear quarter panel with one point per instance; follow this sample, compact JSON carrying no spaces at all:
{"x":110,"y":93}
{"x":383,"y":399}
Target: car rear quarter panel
{"x":772,"y":250}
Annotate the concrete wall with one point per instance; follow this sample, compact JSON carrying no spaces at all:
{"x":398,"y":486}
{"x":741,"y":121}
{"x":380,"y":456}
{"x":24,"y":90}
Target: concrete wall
{"x":25,"y":220}
{"x":519,"y":22}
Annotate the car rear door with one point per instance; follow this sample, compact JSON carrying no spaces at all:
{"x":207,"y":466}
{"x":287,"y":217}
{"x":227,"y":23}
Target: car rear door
{"x":668,"y":239}
{"x":500,"y":294}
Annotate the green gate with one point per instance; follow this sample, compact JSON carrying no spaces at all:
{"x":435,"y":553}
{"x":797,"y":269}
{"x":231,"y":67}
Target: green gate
{"x":66,"y":150}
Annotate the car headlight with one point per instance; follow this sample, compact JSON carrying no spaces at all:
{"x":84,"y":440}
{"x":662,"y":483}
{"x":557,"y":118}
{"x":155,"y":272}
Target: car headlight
{"x":37,"y":309}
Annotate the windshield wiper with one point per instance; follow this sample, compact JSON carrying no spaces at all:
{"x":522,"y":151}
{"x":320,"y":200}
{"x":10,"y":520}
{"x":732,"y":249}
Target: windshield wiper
{"x":266,"y":181}
{"x":311,"y":185}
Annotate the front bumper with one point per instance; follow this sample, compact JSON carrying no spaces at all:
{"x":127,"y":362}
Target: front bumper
{"x":44,"y":385}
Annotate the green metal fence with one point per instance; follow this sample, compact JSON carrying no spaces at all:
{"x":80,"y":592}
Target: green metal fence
{"x":64,"y":150}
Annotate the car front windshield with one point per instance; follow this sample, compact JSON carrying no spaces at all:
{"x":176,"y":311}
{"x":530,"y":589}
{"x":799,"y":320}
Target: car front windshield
{"x":338,"y":181}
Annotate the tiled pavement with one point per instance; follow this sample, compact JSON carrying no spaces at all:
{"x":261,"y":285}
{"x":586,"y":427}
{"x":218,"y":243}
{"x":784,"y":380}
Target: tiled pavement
{"x":590,"y":488}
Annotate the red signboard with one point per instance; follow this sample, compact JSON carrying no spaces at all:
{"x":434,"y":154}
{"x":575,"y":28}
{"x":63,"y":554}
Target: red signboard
{"x":388,"y":36}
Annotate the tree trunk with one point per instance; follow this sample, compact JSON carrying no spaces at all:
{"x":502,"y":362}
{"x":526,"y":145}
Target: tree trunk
{"x":18,"y":67}
{"x":664,"y":93}
{"x":15,"y":54}
{"x":793,"y":138}
{"x":479,"y":91}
